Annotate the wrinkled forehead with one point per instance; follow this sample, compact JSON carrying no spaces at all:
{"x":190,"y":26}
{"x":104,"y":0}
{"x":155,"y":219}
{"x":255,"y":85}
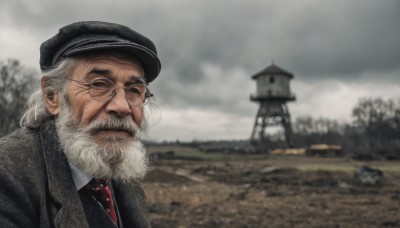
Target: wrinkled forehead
{"x":121,"y":58}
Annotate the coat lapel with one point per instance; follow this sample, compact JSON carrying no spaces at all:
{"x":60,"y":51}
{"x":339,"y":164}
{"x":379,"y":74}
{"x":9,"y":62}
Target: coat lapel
{"x":131,"y":203}
{"x":60,"y":183}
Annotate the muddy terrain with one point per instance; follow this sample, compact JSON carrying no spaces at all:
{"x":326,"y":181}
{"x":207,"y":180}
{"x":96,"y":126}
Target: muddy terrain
{"x":269,"y":193}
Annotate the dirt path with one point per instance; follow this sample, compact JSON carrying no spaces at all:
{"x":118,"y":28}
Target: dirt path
{"x":235,"y":194}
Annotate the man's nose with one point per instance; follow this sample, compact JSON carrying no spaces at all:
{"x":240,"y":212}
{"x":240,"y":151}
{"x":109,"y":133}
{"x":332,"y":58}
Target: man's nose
{"x":119,"y":105}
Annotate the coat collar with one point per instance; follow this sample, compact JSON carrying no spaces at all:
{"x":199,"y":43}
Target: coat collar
{"x":131,"y":198}
{"x":60,"y":183}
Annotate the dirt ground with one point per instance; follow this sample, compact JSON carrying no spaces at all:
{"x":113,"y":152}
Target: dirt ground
{"x":236,"y":194}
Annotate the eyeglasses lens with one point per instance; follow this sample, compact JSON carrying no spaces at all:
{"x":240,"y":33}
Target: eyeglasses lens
{"x":104,"y":90}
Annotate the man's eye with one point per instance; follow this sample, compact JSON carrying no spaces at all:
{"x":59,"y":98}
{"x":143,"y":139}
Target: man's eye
{"x":135,"y":89}
{"x":101,"y":84}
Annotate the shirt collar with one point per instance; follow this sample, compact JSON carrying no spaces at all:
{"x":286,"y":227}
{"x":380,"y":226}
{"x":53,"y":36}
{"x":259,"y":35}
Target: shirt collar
{"x":80,"y":178}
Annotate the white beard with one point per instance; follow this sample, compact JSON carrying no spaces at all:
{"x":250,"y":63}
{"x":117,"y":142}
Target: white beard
{"x":123,"y":163}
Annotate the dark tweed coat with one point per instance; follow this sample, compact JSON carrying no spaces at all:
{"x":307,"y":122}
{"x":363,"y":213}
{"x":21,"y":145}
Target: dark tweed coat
{"x":37,"y":189}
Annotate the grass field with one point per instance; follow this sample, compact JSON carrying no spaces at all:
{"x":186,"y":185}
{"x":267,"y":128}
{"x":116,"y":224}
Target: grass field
{"x":304,"y":163}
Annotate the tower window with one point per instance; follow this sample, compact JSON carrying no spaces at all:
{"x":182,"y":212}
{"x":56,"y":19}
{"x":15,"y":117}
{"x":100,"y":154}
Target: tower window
{"x":271,"y":79}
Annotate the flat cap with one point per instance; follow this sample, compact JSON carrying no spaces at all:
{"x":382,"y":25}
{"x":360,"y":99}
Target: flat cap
{"x":86,"y":36}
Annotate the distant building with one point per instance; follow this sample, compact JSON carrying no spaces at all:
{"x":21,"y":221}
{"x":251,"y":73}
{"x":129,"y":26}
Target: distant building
{"x":324,"y":150}
{"x":273,"y":92}
{"x":289,"y":151}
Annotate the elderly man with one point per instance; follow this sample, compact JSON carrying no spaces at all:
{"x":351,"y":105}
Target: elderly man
{"x":77,"y":159}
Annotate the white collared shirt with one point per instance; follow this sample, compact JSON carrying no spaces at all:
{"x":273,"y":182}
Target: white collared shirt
{"x":80,"y":178}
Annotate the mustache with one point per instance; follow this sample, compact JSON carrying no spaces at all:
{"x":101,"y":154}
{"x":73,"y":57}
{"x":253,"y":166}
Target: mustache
{"x":112,"y":123}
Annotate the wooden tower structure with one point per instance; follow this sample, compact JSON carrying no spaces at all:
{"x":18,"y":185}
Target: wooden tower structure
{"x":273,"y":92}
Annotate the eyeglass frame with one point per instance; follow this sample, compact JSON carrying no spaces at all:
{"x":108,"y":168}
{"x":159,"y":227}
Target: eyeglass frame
{"x":147,"y":93}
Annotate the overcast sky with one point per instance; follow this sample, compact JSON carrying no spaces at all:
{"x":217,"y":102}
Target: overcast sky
{"x":338,"y":50}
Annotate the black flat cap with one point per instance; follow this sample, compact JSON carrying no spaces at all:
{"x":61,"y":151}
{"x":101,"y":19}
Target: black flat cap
{"x":86,"y":36}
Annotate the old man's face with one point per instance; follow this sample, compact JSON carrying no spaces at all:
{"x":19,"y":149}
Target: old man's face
{"x":100,"y":132}
{"x":123,"y":72}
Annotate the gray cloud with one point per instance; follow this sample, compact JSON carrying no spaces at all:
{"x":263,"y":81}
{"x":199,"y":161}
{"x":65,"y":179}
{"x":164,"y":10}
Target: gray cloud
{"x":314,"y":40}
{"x":313,"y":37}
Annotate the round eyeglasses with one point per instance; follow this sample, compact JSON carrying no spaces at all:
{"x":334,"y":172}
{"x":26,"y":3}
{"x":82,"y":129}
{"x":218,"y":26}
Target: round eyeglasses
{"x":103,"y":90}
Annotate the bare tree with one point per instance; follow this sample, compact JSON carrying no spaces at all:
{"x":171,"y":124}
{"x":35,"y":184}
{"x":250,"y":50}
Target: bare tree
{"x":309,"y":131}
{"x":380,"y":121}
{"x":308,"y":125}
{"x":16,"y":84}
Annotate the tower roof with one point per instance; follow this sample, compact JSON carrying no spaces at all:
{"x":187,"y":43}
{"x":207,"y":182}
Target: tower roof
{"x":273,"y":70}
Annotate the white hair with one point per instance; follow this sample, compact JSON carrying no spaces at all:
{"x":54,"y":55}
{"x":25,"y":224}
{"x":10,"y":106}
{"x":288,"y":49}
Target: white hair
{"x":36,"y":112}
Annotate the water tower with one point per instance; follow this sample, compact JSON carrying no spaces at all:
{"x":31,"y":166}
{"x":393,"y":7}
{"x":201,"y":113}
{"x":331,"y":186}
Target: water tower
{"x":273,"y":92}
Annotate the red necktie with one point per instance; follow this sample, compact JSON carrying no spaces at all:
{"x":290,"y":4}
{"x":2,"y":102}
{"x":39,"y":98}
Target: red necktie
{"x":99,"y":189}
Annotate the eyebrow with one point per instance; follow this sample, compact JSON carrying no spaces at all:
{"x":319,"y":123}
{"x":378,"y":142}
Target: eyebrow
{"x":138,"y":80}
{"x":108,"y":74}
{"x":101,"y":72}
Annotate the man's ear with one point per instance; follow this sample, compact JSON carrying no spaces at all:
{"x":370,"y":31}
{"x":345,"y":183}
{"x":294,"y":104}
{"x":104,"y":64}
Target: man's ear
{"x":51,"y":99}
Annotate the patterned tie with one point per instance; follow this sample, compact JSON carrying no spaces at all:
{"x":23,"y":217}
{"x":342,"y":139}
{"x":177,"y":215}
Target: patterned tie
{"x":99,"y":189}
